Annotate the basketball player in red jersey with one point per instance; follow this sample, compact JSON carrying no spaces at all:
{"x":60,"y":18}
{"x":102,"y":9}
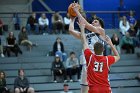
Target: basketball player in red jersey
{"x":97,"y":64}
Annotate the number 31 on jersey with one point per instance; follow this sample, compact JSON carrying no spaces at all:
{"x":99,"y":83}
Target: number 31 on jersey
{"x":98,"y":66}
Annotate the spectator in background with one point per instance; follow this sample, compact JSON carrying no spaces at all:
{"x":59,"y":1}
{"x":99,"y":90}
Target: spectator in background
{"x":58,"y":68}
{"x":115,"y":41}
{"x":121,"y":7}
{"x":131,"y":19}
{"x":132,"y":32}
{"x":21,"y":83}
{"x":58,"y":49}
{"x":23,"y":39}
{"x":1,"y":49}
{"x":32,"y":24}
{"x":124,"y":25}
{"x":66,"y":22}
{"x":3,"y":88}
{"x":72,"y":66}
{"x":12,"y":45}
{"x":43,"y":23}
{"x":66,"y":89}
{"x":1,"y":27}
{"x":57,"y":22}
{"x":127,"y":44}
{"x":16,"y":21}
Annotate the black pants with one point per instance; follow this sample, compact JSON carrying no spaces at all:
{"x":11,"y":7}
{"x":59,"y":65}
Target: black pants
{"x":14,"y":49}
{"x":57,"y":27}
{"x":73,"y":71}
{"x":57,"y":73}
{"x":129,"y":48}
{"x":1,"y":31}
{"x":4,"y":90}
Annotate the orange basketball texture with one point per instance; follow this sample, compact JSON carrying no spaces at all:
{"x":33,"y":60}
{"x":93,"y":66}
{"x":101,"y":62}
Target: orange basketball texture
{"x":71,"y":11}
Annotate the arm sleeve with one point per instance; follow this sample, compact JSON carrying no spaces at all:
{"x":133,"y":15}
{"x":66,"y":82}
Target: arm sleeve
{"x":111,"y":60}
{"x":87,"y":54}
{"x":40,"y":21}
{"x":67,"y":64}
{"x":16,"y":83}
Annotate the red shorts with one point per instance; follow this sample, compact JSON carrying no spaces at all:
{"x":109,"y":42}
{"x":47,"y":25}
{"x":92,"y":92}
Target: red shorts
{"x":99,"y":90}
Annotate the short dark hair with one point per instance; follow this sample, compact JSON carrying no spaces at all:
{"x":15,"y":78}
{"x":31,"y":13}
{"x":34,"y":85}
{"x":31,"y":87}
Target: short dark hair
{"x":100,"y":21}
{"x":72,"y":53}
{"x":98,"y":48}
{"x":65,"y":84}
{"x":20,"y":70}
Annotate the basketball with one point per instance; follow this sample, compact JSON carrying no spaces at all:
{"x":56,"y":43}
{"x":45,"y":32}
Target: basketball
{"x":71,"y":11}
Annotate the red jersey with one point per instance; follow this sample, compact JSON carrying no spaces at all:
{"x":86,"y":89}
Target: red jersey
{"x":97,"y":69}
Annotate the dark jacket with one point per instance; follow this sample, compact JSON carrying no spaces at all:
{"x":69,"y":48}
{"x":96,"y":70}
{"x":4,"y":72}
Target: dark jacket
{"x":57,"y":66}
{"x":55,"y":47}
{"x":22,"y":36}
{"x":19,"y":83}
{"x":32,"y":20}
{"x":2,"y":83}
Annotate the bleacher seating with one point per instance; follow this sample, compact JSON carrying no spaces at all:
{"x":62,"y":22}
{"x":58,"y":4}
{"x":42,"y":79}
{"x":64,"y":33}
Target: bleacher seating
{"x":37,"y":66}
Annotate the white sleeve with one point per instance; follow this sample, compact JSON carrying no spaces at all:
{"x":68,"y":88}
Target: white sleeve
{"x":47,"y":21}
{"x":40,"y":21}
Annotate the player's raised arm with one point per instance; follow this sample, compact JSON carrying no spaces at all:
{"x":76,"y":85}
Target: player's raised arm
{"x":83,"y":36}
{"x":89,"y":26}
{"x":116,"y":54}
{"x":72,"y":30}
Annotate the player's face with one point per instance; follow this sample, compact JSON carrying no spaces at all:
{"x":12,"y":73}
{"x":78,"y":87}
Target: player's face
{"x":95,"y":23}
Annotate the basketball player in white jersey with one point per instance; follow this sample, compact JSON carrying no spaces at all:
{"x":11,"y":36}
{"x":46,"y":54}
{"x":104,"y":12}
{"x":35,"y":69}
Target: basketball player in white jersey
{"x":97,"y":32}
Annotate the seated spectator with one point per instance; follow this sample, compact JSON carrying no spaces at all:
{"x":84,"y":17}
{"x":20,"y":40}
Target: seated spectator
{"x":132,"y":32}
{"x":132,"y":19}
{"x":127,"y":43}
{"x":124,"y":25}
{"x":115,"y":40}
{"x":43,"y":23}
{"x":72,"y":66}
{"x":1,"y":48}
{"x":1,"y":27}
{"x":23,"y":39}
{"x":58,"y":49}
{"x":57,"y":22}
{"x":3,"y":88}
{"x":21,"y":83}
{"x":16,"y":21}
{"x":66,"y":22}
{"x":32,"y":24}
{"x":58,"y":68}
{"x":66,"y":89}
{"x":12,"y":45}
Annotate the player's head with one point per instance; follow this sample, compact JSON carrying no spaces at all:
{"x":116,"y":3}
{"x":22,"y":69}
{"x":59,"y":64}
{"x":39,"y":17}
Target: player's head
{"x":98,"y":22}
{"x":98,"y":48}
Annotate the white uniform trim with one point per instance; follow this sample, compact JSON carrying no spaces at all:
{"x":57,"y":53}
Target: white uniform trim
{"x":89,"y":61}
{"x":107,"y":63}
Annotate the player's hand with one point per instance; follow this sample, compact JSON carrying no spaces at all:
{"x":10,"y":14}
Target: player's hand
{"x":75,"y":7}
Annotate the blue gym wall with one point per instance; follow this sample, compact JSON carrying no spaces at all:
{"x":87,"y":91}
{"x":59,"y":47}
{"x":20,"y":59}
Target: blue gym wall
{"x":91,"y":5}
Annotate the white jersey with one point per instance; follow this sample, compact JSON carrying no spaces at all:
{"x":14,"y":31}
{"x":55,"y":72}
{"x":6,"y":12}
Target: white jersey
{"x":92,"y":38}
